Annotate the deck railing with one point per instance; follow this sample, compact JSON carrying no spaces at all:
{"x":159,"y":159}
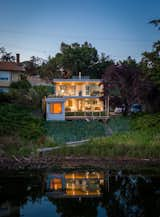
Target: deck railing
{"x":86,"y":113}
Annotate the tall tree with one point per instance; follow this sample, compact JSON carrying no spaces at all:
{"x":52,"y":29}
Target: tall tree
{"x":151,"y":60}
{"x":74,"y":58}
{"x":5,"y":56}
{"x":126,"y":77}
{"x":33,"y":65}
{"x":150,"y":65}
{"x":78,"y":58}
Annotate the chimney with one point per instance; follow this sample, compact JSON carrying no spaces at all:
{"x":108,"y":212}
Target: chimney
{"x":79,"y":75}
{"x":18,"y":58}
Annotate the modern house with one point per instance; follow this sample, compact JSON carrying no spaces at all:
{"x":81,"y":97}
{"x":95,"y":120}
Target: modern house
{"x":78,"y":94}
{"x":9,"y":72}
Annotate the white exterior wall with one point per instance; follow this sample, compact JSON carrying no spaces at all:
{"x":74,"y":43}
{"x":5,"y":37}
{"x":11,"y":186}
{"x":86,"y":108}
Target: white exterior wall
{"x":51,"y":116}
{"x":6,"y":77}
{"x":15,"y":76}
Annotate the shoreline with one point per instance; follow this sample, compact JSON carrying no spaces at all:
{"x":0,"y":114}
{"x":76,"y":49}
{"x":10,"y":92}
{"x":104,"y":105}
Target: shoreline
{"x":57,"y":163}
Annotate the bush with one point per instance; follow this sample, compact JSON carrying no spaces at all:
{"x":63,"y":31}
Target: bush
{"x":43,"y":90}
{"x":146,"y":121}
{"x":22,"y":84}
{"x":18,"y":120}
{"x":27,"y":95}
{"x":5,"y":98}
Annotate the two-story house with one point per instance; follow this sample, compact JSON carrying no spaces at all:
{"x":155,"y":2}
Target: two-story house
{"x":78,"y":94}
{"x":9,"y":72}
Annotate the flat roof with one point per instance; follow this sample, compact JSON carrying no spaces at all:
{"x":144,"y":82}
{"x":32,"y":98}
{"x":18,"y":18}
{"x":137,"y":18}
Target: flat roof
{"x":76,"y":80}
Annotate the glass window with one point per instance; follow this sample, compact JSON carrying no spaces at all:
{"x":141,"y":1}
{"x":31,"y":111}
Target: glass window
{"x":87,"y":90}
{"x":62,"y":89}
{"x":4,"y":76}
{"x":56,"y":108}
{"x":69,"y":102}
{"x":73,"y":88}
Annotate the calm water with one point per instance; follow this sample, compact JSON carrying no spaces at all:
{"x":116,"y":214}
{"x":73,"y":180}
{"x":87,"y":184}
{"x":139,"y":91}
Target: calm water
{"x":79,"y":194}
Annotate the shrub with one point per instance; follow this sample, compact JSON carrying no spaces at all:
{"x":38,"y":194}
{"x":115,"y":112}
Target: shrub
{"x":22,"y":84}
{"x":5,"y":98}
{"x":43,"y":90}
{"x":18,"y":120}
{"x":146,"y":121}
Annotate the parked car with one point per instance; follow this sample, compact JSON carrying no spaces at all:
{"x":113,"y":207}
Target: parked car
{"x":118,"y":110}
{"x":135,"y":108}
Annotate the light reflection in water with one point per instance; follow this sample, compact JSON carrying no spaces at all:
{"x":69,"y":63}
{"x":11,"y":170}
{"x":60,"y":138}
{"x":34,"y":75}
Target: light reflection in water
{"x":79,"y":194}
{"x":75,"y":184}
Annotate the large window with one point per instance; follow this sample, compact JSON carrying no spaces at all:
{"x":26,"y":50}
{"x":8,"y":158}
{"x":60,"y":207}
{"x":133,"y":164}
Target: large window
{"x":87,"y":90}
{"x":56,"y":108}
{"x":73,"y":90}
{"x":4,"y":76}
{"x":62,"y":89}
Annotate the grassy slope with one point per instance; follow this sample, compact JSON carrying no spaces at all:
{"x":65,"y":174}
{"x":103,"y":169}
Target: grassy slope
{"x":142,"y":139}
{"x":22,"y":133}
{"x":65,"y":131}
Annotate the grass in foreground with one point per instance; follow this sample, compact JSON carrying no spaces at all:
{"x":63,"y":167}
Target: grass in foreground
{"x":142,"y":140}
{"x":138,"y":144}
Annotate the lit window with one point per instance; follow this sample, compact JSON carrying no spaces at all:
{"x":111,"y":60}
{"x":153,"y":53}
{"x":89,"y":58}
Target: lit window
{"x":87,"y":90}
{"x":69,"y":102}
{"x":56,"y":184}
{"x":56,"y":108}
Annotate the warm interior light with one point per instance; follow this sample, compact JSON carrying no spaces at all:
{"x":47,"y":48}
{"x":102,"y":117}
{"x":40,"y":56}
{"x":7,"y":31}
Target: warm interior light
{"x":56,"y":108}
{"x":56,"y":184}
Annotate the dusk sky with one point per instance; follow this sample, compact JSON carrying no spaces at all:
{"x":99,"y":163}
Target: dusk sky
{"x":119,"y":28}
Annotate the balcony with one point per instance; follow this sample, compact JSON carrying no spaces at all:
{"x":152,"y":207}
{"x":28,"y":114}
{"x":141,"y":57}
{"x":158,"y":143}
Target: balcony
{"x":79,"y":90}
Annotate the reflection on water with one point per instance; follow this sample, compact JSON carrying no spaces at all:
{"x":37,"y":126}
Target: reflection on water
{"x":79,"y":194}
{"x":75,"y":184}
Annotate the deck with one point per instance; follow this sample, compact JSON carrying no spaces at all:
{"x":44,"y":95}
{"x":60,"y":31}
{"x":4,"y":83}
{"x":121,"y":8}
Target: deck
{"x":87,"y":118}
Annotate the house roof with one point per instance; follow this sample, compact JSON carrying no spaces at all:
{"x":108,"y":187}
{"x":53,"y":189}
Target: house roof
{"x":11,"y":66}
{"x":77,"y":80}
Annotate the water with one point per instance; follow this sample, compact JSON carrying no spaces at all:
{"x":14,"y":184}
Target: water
{"x":79,"y":194}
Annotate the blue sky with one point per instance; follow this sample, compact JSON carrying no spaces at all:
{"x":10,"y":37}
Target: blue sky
{"x":118,"y":28}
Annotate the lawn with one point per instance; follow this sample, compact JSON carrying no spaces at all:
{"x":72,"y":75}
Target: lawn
{"x":66,"y":131}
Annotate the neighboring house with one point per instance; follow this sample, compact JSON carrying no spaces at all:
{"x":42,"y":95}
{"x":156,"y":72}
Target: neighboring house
{"x":35,"y":80}
{"x":9,"y":72}
{"x":79,"y":94}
